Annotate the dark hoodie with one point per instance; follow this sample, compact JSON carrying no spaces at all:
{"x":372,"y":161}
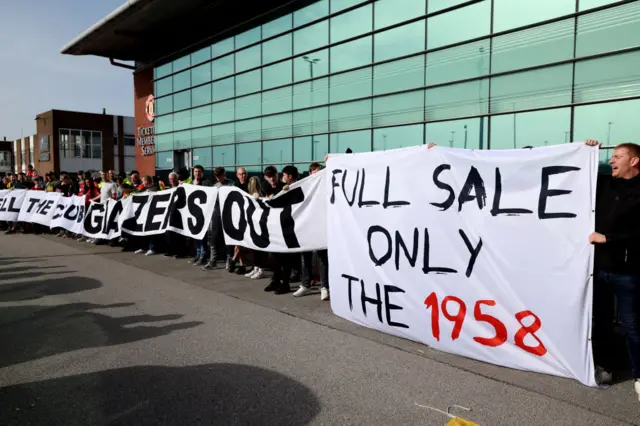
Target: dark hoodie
{"x":618,"y":218}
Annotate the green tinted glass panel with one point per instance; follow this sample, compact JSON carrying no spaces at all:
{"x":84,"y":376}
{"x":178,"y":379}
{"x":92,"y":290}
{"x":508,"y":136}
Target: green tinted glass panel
{"x":469,"y":22}
{"x":248,"y":153}
{"x":182,"y":140}
{"x":277,"y":126}
{"x":201,"y":116}
{"x":351,"y":55}
{"x":202,"y":156}
{"x":224,"y":89}
{"x":163,"y":105}
{"x":398,"y":75}
{"x":351,"y":24}
{"x":351,"y":85}
{"x":276,"y":49}
{"x":224,"y":155}
{"x":609,"y":30}
{"x":223,"y":133}
{"x":338,"y":5}
{"x":201,"y":95}
{"x":458,"y":63}
{"x":222,"y":67}
{"x":537,"y":128}
{"x":277,"y":100}
{"x":390,"y":12}
{"x":277,"y":151}
{"x":164,"y":86}
{"x":350,"y":116}
{"x":223,"y":111}
{"x":457,"y":100}
{"x":248,"y":106}
{"x":248,"y":58}
{"x":222,"y":47}
{"x":182,"y":100}
{"x":248,"y":82}
{"x":311,"y":121}
{"x":181,"y":81}
{"x":201,"y":74}
{"x":248,"y":130}
{"x":163,"y":70}
{"x":310,"y":148}
{"x":509,"y":14}
{"x":400,"y":41}
{"x":201,"y":137}
{"x":182,"y":120}
{"x":201,"y":55}
{"x":276,"y":75}
{"x":310,"y":13}
{"x":182,"y":63}
{"x":312,"y":37}
{"x":470,"y":133}
{"x":356,"y":141}
{"x":277,"y":26}
{"x":403,"y":108}
{"x":397,"y":137}
{"x":607,"y":78}
{"x":248,"y":37}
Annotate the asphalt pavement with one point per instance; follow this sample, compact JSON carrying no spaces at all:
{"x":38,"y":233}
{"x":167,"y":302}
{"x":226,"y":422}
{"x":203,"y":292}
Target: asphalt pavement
{"x":93,"y":336}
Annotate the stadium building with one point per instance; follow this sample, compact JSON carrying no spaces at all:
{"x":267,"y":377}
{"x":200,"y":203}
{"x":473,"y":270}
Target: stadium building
{"x":232,"y":83}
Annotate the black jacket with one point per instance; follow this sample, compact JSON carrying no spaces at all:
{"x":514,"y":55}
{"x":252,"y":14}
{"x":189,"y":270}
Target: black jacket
{"x":618,"y":218}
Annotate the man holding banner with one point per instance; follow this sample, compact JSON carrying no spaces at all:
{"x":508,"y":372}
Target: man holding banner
{"x":617,"y":257}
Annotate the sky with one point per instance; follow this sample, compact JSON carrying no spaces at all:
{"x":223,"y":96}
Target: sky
{"x":35,"y":77}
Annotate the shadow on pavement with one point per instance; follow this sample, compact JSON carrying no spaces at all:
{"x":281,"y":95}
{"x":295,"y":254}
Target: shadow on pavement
{"x":210,"y":394}
{"x":23,"y":275}
{"x":26,"y":268}
{"x":15,"y":292}
{"x":33,"y":332}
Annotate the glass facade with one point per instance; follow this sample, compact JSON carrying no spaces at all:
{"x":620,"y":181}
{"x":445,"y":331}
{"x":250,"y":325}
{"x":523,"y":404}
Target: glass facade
{"x":378,"y":75}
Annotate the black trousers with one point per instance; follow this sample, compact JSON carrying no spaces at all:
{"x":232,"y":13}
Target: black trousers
{"x":282,"y":267}
{"x":307,"y":268}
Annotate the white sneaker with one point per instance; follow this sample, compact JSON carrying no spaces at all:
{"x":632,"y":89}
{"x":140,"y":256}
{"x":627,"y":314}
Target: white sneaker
{"x":251,"y":272}
{"x":140,"y":251}
{"x":302,"y":291}
{"x":81,"y":239}
{"x":93,"y":241}
{"x":636,"y":386}
{"x":150,"y":253}
{"x":258,"y":274}
{"x":89,"y":240}
{"x":324,"y":293}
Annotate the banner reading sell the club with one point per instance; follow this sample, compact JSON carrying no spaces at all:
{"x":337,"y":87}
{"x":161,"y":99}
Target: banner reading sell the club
{"x":483,"y":254}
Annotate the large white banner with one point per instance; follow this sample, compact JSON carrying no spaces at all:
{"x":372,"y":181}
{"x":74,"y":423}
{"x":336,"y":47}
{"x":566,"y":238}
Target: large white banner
{"x":292,"y":221}
{"x":11,"y":203}
{"x":69,"y":214}
{"x":484,"y":254}
{"x":186,"y":210}
{"x":38,"y":207}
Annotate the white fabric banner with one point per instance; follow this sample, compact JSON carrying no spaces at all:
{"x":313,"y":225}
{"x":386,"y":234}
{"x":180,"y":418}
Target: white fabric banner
{"x":69,"y":214}
{"x":484,"y":254}
{"x":11,"y":203}
{"x":292,"y":221}
{"x":186,"y":210}
{"x":38,"y":207}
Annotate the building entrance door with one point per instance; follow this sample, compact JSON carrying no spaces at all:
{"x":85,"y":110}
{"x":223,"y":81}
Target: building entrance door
{"x":182,"y":160}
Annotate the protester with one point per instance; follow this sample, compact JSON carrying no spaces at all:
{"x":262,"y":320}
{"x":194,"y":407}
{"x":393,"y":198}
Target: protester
{"x":281,"y":261}
{"x":259,"y":258}
{"x":216,"y":235}
{"x":150,"y":242}
{"x":617,"y":258}
{"x":243,"y":181}
{"x":307,"y":263}
{"x":107,"y":189}
{"x":176,"y":243}
{"x":201,"y":245}
{"x":272,"y":184}
{"x":31,"y":172}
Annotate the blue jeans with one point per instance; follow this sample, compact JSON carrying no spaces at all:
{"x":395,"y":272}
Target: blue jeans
{"x":626,"y":289}
{"x":201,"y":248}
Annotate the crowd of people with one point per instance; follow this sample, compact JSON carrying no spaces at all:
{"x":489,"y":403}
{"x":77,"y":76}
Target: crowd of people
{"x":616,"y":239}
{"x":211,"y":250}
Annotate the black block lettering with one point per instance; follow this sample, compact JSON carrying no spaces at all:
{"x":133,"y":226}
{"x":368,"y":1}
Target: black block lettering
{"x":446,"y":204}
{"x":388,"y":307}
{"x":377,"y":261}
{"x":474,"y":181}
{"x":496,"y":210}
{"x":545,"y":192}
{"x":475,"y":251}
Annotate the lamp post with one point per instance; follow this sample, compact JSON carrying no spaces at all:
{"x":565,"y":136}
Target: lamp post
{"x":311,"y":62}
{"x":465,"y":136}
{"x":609,"y":133}
{"x":453,"y":134}
{"x":480,"y":72}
